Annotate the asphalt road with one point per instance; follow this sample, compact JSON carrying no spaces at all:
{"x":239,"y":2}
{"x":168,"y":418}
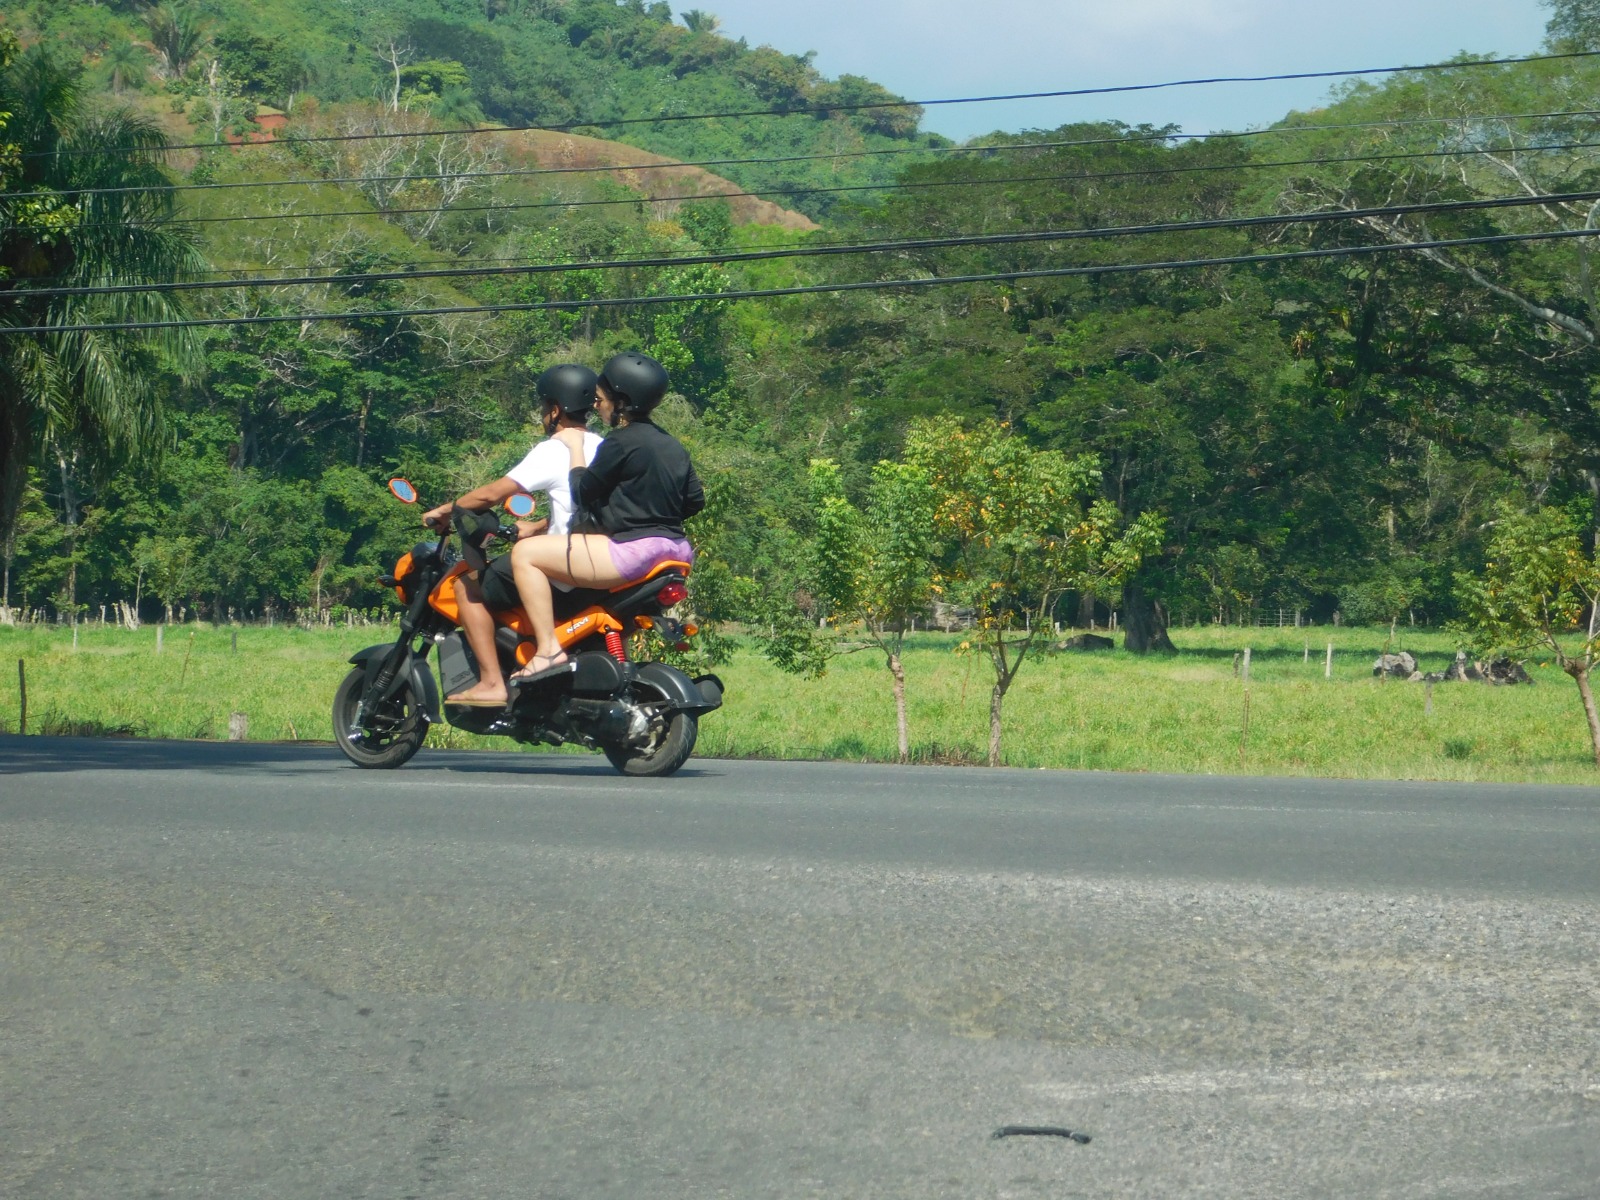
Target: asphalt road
{"x":253,"y":971}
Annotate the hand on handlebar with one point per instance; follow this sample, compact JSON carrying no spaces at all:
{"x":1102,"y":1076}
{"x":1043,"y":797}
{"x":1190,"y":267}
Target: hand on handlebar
{"x":437,"y":518}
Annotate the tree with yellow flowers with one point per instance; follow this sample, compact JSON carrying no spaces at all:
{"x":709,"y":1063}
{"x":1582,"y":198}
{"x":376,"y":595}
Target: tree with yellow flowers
{"x":1020,"y":526}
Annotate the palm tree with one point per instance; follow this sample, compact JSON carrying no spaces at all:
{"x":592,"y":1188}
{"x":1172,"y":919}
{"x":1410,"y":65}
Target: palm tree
{"x":90,"y":397}
{"x":123,"y":61}
{"x":177,"y":32}
{"x":700,"y":22}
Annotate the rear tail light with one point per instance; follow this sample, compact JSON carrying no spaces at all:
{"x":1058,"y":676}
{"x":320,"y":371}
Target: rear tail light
{"x":672,"y":594}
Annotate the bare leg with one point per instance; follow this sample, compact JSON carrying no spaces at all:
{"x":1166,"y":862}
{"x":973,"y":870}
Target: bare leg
{"x":478,"y":625}
{"x":584,"y":560}
{"x":533,"y":585}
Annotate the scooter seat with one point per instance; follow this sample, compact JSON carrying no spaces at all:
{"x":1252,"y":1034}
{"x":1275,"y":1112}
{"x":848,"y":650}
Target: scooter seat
{"x":661,"y":568}
{"x":623,"y":596}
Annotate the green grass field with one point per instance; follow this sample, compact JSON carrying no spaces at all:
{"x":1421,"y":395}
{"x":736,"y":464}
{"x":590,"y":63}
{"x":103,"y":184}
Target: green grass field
{"x":1105,"y":711}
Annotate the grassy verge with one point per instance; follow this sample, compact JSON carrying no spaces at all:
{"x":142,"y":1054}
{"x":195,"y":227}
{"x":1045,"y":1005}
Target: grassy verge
{"x":1106,"y":711}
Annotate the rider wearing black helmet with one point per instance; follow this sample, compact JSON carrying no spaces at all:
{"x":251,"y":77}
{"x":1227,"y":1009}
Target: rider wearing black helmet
{"x":566,"y":397}
{"x":638,"y":490}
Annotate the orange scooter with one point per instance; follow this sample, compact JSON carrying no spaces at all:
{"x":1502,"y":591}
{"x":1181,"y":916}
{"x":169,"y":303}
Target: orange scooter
{"x":644,"y":716}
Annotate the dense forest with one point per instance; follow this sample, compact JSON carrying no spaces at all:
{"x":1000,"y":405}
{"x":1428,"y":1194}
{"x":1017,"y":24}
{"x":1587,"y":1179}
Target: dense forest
{"x":1334,"y":429}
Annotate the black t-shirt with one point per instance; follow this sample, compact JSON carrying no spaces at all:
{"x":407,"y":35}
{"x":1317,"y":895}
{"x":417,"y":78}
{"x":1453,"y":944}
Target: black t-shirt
{"x":641,"y":484}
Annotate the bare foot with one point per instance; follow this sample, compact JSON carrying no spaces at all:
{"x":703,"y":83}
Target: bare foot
{"x":480,"y":696}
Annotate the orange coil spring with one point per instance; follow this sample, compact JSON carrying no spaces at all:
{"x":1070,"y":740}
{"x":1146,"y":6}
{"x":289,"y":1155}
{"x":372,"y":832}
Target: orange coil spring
{"x":615,"y":646}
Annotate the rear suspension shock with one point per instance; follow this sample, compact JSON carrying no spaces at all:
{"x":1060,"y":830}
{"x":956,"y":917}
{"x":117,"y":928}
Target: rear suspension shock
{"x":615,"y":645}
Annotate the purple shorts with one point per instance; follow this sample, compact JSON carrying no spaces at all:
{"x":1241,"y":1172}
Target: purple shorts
{"x":636,"y":559}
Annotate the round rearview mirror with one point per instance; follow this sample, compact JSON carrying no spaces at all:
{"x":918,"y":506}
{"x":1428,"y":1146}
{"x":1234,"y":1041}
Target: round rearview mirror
{"x":520,"y":505}
{"x":403,"y":491}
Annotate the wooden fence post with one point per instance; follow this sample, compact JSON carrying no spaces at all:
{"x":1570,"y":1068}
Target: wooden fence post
{"x":22,"y":690}
{"x":1327,"y":670}
{"x":238,"y":726}
{"x":1245,"y":665}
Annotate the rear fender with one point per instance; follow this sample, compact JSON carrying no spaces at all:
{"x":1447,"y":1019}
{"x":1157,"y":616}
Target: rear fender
{"x":423,"y":685}
{"x":682,"y":693}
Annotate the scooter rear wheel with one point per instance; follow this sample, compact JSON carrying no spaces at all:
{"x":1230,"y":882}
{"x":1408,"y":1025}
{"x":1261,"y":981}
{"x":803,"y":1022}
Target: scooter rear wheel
{"x":671,"y":744}
{"x":389,"y":737}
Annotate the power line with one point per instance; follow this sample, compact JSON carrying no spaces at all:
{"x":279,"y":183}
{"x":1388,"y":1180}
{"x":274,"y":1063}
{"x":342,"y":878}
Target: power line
{"x":819,"y":110}
{"x":1001,"y":148}
{"x":1143,"y":172}
{"x":899,"y":245}
{"x":822,"y":288}
{"x":899,"y":186}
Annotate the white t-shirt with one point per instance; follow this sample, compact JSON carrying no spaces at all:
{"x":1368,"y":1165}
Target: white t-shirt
{"x":546,"y":469}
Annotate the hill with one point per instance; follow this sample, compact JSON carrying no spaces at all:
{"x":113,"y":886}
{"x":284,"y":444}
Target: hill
{"x":595,"y":67}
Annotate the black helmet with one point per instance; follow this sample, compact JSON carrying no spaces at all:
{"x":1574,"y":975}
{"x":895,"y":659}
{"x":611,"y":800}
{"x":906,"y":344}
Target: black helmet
{"x":636,"y":382}
{"x":569,"y":387}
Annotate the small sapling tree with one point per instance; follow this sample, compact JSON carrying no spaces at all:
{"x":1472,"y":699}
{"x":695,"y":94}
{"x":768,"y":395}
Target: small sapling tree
{"x":875,"y":565}
{"x":1538,"y":592}
{"x":1019,"y":534}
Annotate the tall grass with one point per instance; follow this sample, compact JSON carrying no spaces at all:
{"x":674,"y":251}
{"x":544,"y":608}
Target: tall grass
{"x":1103,"y":711}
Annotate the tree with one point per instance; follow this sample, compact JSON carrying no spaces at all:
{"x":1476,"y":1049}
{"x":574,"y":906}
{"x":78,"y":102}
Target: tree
{"x":95,"y":396}
{"x":1019,"y":535}
{"x":177,"y":32}
{"x":697,"y":21}
{"x":124,"y":63}
{"x":1539,"y":591}
{"x":1574,"y":24}
{"x":875,"y":565}
{"x":171,"y":566}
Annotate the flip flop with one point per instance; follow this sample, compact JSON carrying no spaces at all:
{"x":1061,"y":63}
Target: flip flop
{"x":475,"y":702}
{"x":531,"y":671}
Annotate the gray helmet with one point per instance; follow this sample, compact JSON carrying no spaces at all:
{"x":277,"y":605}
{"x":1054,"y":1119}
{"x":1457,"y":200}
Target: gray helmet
{"x":636,"y":382}
{"x":569,"y":387}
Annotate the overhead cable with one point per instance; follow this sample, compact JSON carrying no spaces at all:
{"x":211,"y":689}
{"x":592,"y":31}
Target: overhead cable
{"x":899,"y":186}
{"x":1000,"y":148}
{"x":882,"y":285}
{"x":824,"y":109}
{"x":919,"y":184}
{"x":895,"y":246}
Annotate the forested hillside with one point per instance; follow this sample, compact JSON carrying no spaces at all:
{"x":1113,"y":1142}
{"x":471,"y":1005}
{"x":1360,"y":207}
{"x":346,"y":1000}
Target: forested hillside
{"x":616,"y":70}
{"x":1333,"y":428}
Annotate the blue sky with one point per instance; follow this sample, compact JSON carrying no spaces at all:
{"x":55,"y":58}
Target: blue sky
{"x":937,"y":48}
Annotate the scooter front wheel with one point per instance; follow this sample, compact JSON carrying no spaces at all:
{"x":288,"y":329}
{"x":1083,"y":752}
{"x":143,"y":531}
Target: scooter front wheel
{"x":386,"y":738}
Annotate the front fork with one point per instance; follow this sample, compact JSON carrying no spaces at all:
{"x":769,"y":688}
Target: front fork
{"x":396,"y":664}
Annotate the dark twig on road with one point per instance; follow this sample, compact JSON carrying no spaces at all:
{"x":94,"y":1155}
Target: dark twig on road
{"x":1006,"y":1131}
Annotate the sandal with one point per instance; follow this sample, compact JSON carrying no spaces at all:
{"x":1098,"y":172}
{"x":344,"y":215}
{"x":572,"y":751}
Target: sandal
{"x":534,"y":669}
